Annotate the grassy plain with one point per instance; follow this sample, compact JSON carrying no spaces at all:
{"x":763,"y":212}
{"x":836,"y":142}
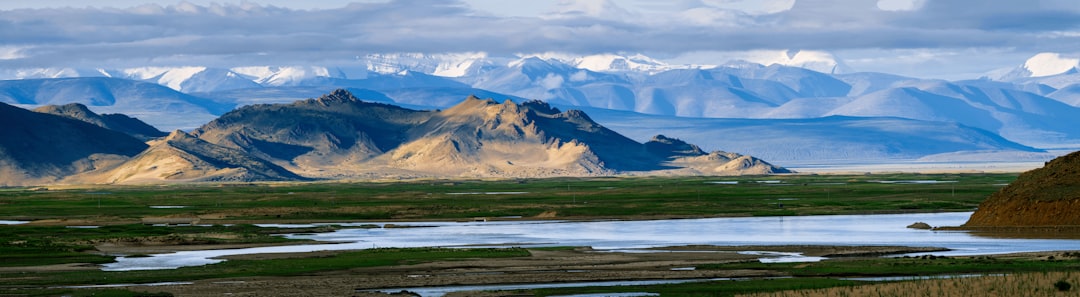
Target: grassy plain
{"x":563,"y":198}
{"x":118,"y":210}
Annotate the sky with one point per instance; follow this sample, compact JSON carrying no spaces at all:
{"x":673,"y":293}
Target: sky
{"x":951,"y":39}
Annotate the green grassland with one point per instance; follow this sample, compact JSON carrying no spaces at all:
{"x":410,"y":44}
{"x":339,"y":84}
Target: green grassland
{"x":568,"y":198}
{"x":49,"y":245}
{"x":31,"y":283}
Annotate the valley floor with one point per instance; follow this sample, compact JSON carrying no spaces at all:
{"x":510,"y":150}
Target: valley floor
{"x":913,"y":167}
{"x":562,"y":199}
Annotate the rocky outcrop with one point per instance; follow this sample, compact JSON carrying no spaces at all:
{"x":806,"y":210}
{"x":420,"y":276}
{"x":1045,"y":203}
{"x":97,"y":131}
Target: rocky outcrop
{"x":687,"y":158}
{"x":1048,"y":196}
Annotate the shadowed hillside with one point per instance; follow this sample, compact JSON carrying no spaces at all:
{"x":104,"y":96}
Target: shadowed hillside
{"x":43,"y":148}
{"x":116,"y":122}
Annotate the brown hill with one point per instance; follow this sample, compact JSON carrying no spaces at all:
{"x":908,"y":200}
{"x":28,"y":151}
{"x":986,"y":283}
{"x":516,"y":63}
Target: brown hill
{"x":181,"y":157}
{"x":690,"y":159}
{"x":38,"y":148}
{"x":340,"y":136}
{"x":116,"y":122}
{"x":1048,"y":196}
{"x":327,"y":137}
{"x":480,"y":137}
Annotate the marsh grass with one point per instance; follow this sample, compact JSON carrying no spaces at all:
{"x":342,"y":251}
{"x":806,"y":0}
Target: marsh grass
{"x":825,"y":279}
{"x":1018,"y":284}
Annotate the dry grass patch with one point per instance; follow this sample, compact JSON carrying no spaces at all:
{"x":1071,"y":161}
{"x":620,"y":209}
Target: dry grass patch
{"x":1021,"y":284}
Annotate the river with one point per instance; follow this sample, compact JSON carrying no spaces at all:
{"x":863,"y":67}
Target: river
{"x":631,"y":235}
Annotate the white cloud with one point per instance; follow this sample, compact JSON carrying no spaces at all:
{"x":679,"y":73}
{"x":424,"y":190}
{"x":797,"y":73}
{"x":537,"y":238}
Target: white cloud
{"x":199,"y":32}
{"x":11,"y":53}
{"x":755,"y":7}
{"x":900,"y":5}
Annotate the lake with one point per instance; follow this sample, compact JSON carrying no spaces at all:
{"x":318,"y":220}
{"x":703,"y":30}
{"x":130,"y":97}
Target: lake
{"x":631,"y":235}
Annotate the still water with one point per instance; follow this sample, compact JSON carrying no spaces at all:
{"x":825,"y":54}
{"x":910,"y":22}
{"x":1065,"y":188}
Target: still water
{"x":623,"y":235}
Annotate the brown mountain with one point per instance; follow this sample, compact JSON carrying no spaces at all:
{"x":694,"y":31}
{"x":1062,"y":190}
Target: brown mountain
{"x":485,"y":138}
{"x":340,"y":136}
{"x":181,"y":157}
{"x":1048,"y":196}
{"x":116,"y":122}
{"x":327,"y":137}
{"x":38,"y":148}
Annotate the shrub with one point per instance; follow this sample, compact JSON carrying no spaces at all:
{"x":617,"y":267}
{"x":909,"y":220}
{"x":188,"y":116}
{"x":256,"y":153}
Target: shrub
{"x":1062,"y":285}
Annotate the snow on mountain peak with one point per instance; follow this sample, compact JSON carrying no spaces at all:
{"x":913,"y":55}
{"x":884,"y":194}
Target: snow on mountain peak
{"x":286,"y":76}
{"x":1047,"y":64}
{"x":171,"y":77}
{"x":819,"y":61}
{"x":32,"y":73}
{"x":447,"y":64}
{"x":1040,"y":65}
{"x":609,"y":62}
{"x":612,"y":62}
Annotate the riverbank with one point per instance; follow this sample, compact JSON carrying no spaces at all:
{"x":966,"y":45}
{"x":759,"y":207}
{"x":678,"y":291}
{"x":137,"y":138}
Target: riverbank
{"x":568,"y":265}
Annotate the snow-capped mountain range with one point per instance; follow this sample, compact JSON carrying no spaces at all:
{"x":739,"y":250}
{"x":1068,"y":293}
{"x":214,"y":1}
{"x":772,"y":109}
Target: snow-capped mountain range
{"x":1021,"y":110}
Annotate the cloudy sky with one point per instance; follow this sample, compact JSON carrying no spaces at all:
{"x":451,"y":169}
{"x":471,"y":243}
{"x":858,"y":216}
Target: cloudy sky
{"x":926,"y":38}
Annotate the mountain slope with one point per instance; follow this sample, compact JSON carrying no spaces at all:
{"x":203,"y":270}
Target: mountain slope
{"x":43,"y":148}
{"x":836,"y":138}
{"x":1048,"y":196}
{"x":181,"y":157}
{"x":154,"y":104}
{"x":116,"y":122}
